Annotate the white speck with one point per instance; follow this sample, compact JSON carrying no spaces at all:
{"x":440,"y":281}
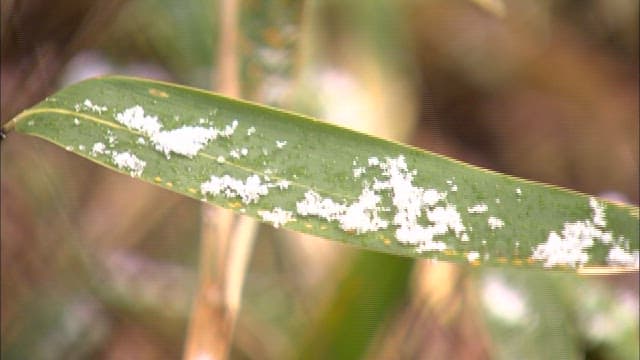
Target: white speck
{"x":495,"y":223}
{"x":518,"y":191}
{"x":618,"y":256}
{"x":202,"y":121}
{"x":251,"y":130}
{"x":128,"y":161}
{"x":30,"y":123}
{"x":473,"y":256}
{"x":373,"y":161}
{"x":281,"y":144}
{"x":478,"y":209}
{"x":357,"y":172}
{"x":220,"y":159}
{"x":598,"y":212}
{"x":454,"y":188}
{"x":449,"y":182}
{"x":81,"y":147}
{"x":503,"y":301}
{"x":277,"y":216}
{"x":244,"y":151}
{"x":464,"y":237}
{"x":69,"y":148}
{"x":497,"y":201}
{"x":141,"y":141}
{"x":250,"y":190}
{"x":98,"y":148}
{"x":76,"y":121}
{"x":234,"y":154}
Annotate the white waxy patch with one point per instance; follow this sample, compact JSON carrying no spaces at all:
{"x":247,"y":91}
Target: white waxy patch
{"x":282,"y":184}
{"x":357,"y":172}
{"x":618,"y":256}
{"x":497,"y":201}
{"x":473,"y":256}
{"x":98,"y":148}
{"x":495,"y":223}
{"x":128,"y":161}
{"x":518,"y":191}
{"x":90,"y":106}
{"x":187,"y":140}
{"x":69,"y":148}
{"x":280,"y":144}
{"x":454,"y":188}
{"x":81,"y":147}
{"x":478,"y":209}
{"x":141,"y":141}
{"x":464,"y":237}
{"x":251,"y":131}
{"x":249,"y":191}
{"x":220,"y":159}
{"x":76,"y":121}
{"x":277,"y":216}
{"x":373,"y":161}
{"x":244,"y":151}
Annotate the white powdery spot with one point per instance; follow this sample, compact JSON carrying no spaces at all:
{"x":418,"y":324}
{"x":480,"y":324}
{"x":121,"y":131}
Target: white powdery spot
{"x":277,"y":216}
{"x":76,"y":121}
{"x":281,"y":144}
{"x":90,"y":106}
{"x":478,"y":209}
{"x":618,"y":256}
{"x":357,"y":172}
{"x":98,"y":148}
{"x":251,"y":131}
{"x":282,"y":184}
{"x":518,"y":191}
{"x":495,"y":223}
{"x":473,"y":256}
{"x":220,"y":159}
{"x":598,"y":212}
{"x":81,"y":147}
{"x":568,"y":249}
{"x":373,"y":161}
{"x":128,"y":161}
{"x":187,"y":140}
{"x":361,"y":216}
{"x":249,"y":191}
{"x":141,"y":141}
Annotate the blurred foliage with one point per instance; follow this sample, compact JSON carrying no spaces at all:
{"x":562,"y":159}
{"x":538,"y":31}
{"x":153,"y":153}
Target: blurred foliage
{"x":548,"y":91}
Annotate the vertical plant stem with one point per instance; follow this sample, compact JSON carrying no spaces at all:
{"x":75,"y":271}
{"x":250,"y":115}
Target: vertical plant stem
{"x":226,"y":239}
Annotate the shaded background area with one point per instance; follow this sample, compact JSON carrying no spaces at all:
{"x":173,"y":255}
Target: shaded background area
{"x":97,"y":265}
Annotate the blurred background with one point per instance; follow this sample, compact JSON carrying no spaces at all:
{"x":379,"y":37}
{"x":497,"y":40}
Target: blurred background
{"x":96,"y":265}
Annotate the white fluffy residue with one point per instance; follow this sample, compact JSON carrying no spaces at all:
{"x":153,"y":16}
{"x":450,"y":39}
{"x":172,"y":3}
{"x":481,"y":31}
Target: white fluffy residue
{"x":569,"y":247}
{"x":280,"y":144}
{"x":277,"y":216}
{"x":360,"y":216}
{"x":417,"y":219}
{"x":249,"y":191}
{"x":128,"y":161}
{"x":91,"y":106}
{"x":357,"y":172}
{"x":98,"y":148}
{"x":251,"y":131}
{"x":478,"y":209}
{"x":187,"y":140}
{"x":495,"y":223}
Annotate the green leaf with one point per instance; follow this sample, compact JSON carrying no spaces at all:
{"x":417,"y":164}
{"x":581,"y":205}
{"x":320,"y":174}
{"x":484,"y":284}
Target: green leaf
{"x":360,"y":190}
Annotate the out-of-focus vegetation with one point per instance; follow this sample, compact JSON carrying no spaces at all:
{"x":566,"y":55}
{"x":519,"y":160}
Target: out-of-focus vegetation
{"x":96,"y":265}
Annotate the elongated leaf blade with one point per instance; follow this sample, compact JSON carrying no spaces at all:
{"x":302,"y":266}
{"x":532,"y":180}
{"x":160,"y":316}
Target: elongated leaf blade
{"x":309,"y":176}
